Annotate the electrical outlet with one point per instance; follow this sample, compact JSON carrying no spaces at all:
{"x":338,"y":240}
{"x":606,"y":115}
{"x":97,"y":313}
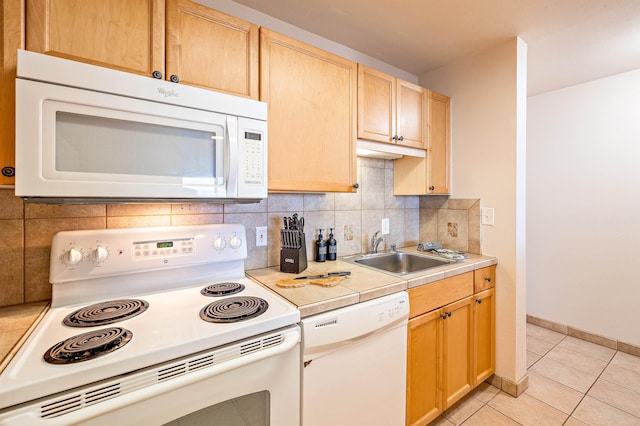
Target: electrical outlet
{"x":487,"y":214}
{"x":261,"y":236}
{"x":385,"y":226}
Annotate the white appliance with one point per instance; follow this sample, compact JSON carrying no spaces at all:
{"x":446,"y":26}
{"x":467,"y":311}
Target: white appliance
{"x":355,"y":364}
{"x":146,"y":297}
{"x":86,"y":133}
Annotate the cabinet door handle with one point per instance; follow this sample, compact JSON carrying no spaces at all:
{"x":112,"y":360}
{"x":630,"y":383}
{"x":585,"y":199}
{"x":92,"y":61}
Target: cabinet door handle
{"x":479,"y":301}
{"x":487,"y":279}
{"x":356,"y":186}
{"x":8,"y":171}
{"x":432,"y":188}
{"x":401,"y":138}
{"x":174,"y":78}
{"x":157,"y":74}
{"x":395,"y":137}
{"x":445,"y":315}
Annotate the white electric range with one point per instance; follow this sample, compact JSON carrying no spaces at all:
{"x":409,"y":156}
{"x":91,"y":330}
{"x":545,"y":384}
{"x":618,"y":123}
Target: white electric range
{"x":153,"y":325}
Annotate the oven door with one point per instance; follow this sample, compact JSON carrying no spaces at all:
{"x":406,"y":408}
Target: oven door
{"x":79,"y":143}
{"x":255,"y":382}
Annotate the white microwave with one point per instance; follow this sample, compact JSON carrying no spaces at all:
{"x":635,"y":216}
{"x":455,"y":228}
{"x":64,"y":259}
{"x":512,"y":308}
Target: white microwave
{"x":90,"y":134}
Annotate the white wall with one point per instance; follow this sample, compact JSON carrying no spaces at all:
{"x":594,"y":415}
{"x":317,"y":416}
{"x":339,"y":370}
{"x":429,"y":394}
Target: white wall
{"x":583,"y":206}
{"x":488,"y":107}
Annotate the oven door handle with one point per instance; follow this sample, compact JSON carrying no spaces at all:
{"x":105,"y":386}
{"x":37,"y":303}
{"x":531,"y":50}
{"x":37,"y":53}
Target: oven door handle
{"x":146,"y":385}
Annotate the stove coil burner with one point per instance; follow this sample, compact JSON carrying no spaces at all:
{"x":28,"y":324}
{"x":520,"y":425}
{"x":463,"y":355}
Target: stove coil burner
{"x":222,"y":289}
{"x":106,"y":313}
{"x":86,"y":346}
{"x":234,"y":309}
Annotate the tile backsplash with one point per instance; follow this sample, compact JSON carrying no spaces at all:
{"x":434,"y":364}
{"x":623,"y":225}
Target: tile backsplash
{"x":26,"y":230}
{"x":455,"y":223}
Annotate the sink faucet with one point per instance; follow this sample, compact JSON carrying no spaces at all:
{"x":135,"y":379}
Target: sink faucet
{"x":375,"y":242}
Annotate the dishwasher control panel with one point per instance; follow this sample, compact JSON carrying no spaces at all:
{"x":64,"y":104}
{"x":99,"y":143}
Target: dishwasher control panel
{"x":356,"y":321}
{"x":391,"y":312}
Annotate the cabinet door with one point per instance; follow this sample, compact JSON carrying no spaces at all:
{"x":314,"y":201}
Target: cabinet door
{"x":424,"y":396}
{"x":484,"y":335}
{"x":210,"y":49}
{"x":376,"y":105}
{"x":457,"y":350}
{"x":11,"y":27}
{"x":439,"y":144}
{"x":312,"y":115}
{"x":124,"y":34}
{"x":411,"y":114}
{"x":430,"y":175}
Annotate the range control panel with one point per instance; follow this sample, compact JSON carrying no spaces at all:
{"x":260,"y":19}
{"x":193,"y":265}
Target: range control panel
{"x":86,"y":254}
{"x":163,"y":248}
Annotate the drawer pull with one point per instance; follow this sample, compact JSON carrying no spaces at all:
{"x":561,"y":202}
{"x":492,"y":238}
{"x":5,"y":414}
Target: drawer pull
{"x":479,"y":301}
{"x":487,"y":279}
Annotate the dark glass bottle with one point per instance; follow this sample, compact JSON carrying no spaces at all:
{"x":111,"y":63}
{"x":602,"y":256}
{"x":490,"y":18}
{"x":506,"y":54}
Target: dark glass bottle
{"x":332,"y":246}
{"x":321,"y":247}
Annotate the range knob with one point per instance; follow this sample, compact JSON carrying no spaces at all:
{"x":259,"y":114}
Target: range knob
{"x":219,"y":243}
{"x":235,"y":242}
{"x":72,"y":257}
{"x":99,"y":254}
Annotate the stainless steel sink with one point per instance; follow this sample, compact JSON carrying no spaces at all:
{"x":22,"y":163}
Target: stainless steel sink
{"x":398,"y":263}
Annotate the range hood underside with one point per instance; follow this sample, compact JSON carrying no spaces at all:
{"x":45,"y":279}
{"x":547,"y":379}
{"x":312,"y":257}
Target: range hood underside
{"x":110,"y":200}
{"x":386,"y":151}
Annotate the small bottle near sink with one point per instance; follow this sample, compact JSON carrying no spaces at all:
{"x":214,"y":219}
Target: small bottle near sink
{"x":320,"y":248}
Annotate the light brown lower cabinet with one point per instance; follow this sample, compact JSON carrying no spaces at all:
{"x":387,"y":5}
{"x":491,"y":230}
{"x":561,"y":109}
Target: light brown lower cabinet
{"x":424,"y":396}
{"x":439,"y":360}
{"x":484,"y":335}
{"x":451,"y":349}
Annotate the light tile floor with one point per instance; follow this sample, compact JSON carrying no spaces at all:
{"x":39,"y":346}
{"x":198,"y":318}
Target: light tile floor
{"x":571,"y":382}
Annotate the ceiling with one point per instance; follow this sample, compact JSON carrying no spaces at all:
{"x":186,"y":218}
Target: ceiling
{"x":568,"y":41}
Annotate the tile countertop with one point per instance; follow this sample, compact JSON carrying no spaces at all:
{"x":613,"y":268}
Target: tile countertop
{"x":16,"y":323}
{"x":363,"y":284}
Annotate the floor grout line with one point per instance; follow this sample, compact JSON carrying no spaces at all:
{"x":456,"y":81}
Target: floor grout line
{"x":590,"y":387}
{"x":584,"y":394}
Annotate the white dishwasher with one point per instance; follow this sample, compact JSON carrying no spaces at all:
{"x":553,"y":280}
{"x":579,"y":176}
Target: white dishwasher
{"x":355,"y":364}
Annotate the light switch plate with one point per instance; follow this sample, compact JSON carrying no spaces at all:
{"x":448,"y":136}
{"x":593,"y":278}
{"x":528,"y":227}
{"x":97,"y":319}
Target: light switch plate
{"x":261,"y":236}
{"x":385,"y":226}
{"x":487,"y":215}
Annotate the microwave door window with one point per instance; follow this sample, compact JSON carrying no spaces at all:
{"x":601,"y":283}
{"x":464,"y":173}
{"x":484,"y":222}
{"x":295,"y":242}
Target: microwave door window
{"x":107,"y":146}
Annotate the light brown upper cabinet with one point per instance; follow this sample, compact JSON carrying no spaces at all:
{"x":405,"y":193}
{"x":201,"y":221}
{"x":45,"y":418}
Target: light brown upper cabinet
{"x":209,"y":49}
{"x":204,"y":47}
{"x":391,"y":110}
{"x":429,"y":175}
{"x":12,"y":33}
{"x":312,"y":115}
{"x":439,"y":150}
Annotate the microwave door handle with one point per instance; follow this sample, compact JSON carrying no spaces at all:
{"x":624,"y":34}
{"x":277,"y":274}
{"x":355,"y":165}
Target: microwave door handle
{"x":232,"y":165}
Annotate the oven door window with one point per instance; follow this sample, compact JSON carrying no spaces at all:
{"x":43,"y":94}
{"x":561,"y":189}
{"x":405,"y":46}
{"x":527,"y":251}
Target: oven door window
{"x":247,"y":410}
{"x":108,"y":146}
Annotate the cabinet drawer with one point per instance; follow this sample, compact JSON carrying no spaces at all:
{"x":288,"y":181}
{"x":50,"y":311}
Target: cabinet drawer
{"x":439,"y":293}
{"x":484,"y":278}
